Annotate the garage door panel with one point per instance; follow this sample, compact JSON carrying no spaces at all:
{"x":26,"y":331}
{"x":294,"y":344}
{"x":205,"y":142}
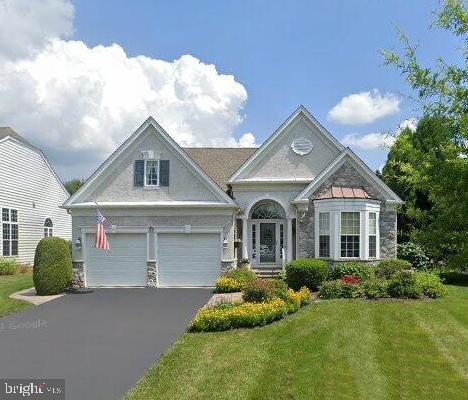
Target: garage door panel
{"x":123,"y":265}
{"x":188,"y":259}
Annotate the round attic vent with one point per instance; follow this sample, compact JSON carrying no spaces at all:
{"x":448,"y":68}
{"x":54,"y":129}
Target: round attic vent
{"x":301,"y":146}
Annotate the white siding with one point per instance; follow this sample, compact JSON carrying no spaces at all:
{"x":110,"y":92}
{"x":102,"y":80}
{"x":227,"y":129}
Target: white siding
{"x":28,"y":185}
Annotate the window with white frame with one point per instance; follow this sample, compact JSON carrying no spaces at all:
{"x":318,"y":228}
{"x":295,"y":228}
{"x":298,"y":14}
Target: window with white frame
{"x":324,"y":234}
{"x":9,"y":232}
{"x":350,"y":234}
{"x":372,"y":235}
{"x":151,"y":173}
{"x":48,"y":228}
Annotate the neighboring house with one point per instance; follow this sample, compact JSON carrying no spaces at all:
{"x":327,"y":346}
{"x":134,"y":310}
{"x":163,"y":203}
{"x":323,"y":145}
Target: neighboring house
{"x":180,"y":217}
{"x":30,"y":198}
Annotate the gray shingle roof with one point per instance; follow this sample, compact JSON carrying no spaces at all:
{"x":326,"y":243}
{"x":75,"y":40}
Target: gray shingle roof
{"x":220,"y":163}
{"x":7,"y":131}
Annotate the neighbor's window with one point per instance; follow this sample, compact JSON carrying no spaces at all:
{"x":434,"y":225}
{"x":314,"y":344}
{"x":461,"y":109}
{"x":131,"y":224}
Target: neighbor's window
{"x":9,"y":232}
{"x":372,"y":234}
{"x":350,"y":230}
{"x":48,"y":228}
{"x":151,"y":173}
{"x":324,"y":234}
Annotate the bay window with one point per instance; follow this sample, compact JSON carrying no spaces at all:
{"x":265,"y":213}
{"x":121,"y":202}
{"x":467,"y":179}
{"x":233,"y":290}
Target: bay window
{"x":324,"y":234}
{"x":372,"y":235}
{"x":350,"y":234}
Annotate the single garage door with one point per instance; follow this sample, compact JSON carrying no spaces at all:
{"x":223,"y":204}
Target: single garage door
{"x":123,"y":265}
{"x":191,"y":259}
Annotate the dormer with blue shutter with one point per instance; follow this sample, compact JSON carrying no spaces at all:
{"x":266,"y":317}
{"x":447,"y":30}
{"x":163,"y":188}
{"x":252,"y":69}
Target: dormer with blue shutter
{"x":151,"y":172}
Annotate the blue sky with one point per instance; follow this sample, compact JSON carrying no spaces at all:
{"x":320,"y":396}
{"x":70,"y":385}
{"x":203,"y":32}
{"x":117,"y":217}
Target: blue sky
{"x":283,"y":53}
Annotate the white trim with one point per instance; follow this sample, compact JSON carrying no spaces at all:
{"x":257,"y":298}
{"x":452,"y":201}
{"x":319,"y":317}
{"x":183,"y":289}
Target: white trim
{"x":182,"y":155}
{"x":153,"y":204}
{"x":31,"y":147}
{"x":117,"y":229}
{"x":348,"y":155}
{"x":301,"y":111}
{"x":262,"y":197}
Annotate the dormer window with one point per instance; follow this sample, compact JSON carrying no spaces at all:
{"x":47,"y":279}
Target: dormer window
{"x":151,"y":173}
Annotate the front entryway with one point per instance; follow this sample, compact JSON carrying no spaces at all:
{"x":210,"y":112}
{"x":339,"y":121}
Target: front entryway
{"x":266,"y":230}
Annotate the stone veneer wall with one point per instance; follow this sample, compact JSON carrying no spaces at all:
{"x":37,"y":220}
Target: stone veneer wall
{"x":151,"y":274}
{"x":347,"y":176}
{"x":78,"y":278}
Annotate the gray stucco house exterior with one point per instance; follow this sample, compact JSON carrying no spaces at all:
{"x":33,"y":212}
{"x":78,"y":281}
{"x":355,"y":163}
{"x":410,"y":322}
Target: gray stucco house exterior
{"x":179,"y":217}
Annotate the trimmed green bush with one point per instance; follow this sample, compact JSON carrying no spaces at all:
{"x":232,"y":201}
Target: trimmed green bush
{"x":453,"y":277}
{"x":307,"y":272}
{"x":338,"y":289}
{"x":415,"y":254}
{"x":362,"y":271}
{"x":431,"y":284}
{"x":244,"y":274}
{"x":52,"y":271}
{"x":9,"y":266}
{"x":403,"y":284}
{"x":375,"y":288}
{"x":258,"y":291}
{"x":387,"y":268}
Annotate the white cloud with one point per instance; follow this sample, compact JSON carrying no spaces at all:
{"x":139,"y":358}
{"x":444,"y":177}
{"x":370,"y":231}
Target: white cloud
{"x":27,"y":25}
{"x":364,"y":107}
{"x":371,"y":141}
{"x":247,"y":140}
{"x":79,"y":103}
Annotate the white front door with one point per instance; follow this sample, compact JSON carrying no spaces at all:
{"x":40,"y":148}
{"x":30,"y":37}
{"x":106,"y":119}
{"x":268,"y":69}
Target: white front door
{"x":267,"y":241}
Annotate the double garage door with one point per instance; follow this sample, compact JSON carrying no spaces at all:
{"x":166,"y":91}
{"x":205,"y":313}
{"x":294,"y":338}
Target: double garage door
{"x":184,"y":260}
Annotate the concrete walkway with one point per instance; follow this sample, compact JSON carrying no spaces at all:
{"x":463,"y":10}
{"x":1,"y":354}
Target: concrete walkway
{"x":30,"y":296}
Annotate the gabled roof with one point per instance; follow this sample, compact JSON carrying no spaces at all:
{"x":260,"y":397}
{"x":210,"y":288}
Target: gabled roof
{"x":301,"y":111}
{"x":184,"y":158}
{"x":348,"y":155}
{"x":6,"y":133}
{"x":220,"y":163}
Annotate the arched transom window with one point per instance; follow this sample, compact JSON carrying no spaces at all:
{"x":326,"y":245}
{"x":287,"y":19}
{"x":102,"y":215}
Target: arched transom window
{"x":267,"y":209}
{"x":48,"y":227}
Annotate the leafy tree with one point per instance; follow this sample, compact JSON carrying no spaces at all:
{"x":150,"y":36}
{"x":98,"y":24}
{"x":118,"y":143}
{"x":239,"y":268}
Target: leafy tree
{"x":428,"y":168}
{"x":73,"y":185}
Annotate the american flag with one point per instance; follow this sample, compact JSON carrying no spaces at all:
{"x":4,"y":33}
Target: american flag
{"x":101,"y":237}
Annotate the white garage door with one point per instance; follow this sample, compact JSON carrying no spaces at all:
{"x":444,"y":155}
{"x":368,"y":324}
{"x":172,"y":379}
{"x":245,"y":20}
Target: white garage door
{"x":191,"y":259}
{"x":123,"y":265}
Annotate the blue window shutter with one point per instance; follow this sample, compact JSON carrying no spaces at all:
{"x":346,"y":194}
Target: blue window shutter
{"x":139,"y":173}
{"x":164,"y":173}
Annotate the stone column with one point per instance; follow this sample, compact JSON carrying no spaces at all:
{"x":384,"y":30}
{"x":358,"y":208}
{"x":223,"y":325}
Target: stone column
{"x":245,"y":251}
{"x":151,"y":274}
{"x":78,"y":279}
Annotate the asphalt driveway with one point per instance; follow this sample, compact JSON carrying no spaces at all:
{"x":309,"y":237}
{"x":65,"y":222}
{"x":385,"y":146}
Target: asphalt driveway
{"x":101,"y":343}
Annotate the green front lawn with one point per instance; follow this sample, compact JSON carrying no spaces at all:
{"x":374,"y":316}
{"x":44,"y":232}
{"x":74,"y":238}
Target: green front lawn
{"x":342,"y":349}
{"x":10,"y":284}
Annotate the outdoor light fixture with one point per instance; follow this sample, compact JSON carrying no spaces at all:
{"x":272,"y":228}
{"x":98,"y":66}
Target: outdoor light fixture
{"x":78,"y":243}
{"x":225,"y":243}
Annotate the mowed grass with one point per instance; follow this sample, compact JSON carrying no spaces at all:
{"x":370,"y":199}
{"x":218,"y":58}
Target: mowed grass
{"x":343,"y":349}
{"x":10,"y":284}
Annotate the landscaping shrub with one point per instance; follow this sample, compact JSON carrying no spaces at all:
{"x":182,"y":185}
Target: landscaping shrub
{"x":307,"y":272}
{"x":453,"y":277}
{"x":295,"y":300}
{"x":229,"y":285}
{"x":375,"y":288}
{"x":52,"y":271}
{"x":403,"y":284}
{"x":235,"y":280}
{"x":362,"y":271}
{"x":258,"y":291}
{"x":431,"y":284}
{"x":245,"y":315}
{"x":415,"y":254}
{"x":351,"y":279}
{"x":9,"y":266}
{"x":387,"y":268}
{"x":338,"y":289}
